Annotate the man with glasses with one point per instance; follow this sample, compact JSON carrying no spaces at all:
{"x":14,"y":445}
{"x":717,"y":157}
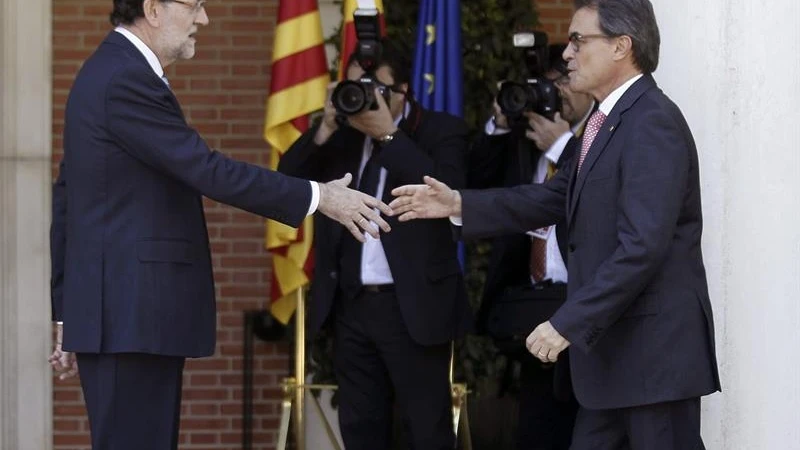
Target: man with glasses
{"x":529,"y":268}
{"x":132,"y":284}
{"x":637,"y":310}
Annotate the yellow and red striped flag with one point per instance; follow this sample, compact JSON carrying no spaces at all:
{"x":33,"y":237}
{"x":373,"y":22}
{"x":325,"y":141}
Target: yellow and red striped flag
{"x":349,"y":40}
{"x":298,"y":87}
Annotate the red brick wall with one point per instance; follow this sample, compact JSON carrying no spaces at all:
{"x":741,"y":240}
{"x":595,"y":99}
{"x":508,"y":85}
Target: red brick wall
{"x":554,"y":17}
{"x":223,"y":91}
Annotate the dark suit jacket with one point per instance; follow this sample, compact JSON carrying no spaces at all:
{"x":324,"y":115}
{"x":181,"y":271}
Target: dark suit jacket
{"x":421,"y":254}
{"x":509,"y":160}
{"x":131,"y":270}
{"x":637,"y":310}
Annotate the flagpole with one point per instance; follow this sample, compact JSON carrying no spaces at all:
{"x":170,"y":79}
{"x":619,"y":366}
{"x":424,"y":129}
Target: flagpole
{"x":300,"y":370}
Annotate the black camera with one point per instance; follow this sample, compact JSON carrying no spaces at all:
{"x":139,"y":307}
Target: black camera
{"x":351,"y":97}
{"x":536,"y":93}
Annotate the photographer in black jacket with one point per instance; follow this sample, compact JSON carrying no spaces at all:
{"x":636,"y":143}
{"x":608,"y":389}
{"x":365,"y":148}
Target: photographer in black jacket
{"x":394,"y":303}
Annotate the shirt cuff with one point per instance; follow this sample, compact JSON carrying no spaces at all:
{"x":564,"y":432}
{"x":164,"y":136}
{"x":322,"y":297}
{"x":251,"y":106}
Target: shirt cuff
{"x":492,"y":129}
{"x":312,"y":207}
{"x":457,"y":221}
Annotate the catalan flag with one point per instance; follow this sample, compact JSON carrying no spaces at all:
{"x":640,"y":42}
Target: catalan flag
{"x":298,"y":87}
{"x":349,"y":40}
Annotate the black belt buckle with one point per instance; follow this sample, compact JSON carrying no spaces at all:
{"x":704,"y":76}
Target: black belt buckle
{"x":378,"y":288}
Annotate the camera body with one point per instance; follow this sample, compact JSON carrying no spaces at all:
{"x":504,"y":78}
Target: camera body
{"x":536,"y":93}
{"x":353,"y":96}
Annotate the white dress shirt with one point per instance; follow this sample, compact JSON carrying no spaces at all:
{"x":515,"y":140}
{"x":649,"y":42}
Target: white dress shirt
{"x":374,"y":265}
{"x":155,"y":64}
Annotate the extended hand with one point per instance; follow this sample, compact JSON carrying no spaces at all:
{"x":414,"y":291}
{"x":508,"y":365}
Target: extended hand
{"x":546,"y":343}
{"x":353,"y":209}
{"x":431,"y":200}
{"x":545,"y":132}
{"x":64,"y":363}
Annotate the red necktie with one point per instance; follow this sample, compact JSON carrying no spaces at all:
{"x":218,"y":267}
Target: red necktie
{"x":592,"y":128}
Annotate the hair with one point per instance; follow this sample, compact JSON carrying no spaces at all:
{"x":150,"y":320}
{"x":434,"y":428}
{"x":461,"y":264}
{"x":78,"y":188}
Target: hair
{"x":125,"y":12}
{"x":397,"y":57}
{"x":632,"y":18}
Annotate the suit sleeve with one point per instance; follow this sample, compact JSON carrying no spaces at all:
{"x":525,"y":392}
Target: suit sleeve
{"x":654,"y":175}
{"x":306,"y":159}
{"x":446,"y":162}
{"x":58,"y":244}
{"x":147,"y":123}
{"x":495,"y":212}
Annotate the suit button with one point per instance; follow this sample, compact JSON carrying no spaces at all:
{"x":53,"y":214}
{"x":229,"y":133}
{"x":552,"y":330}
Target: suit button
{"x":571,"y":248}
{"x":333,"y":274}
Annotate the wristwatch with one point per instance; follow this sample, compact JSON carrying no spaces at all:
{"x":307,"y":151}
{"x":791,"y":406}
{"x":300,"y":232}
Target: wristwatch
{"x":386,"y":138}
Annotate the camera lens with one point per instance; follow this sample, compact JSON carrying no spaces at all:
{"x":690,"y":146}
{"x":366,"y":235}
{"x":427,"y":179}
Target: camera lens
{"x":349,"y":97}
{"x":515,"y":98}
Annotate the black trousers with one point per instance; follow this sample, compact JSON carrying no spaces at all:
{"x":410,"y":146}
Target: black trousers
{"x":545,"y":421}
{"x":661,"y":426}
{"x":133,"y":400}
{"x":376,"y":363}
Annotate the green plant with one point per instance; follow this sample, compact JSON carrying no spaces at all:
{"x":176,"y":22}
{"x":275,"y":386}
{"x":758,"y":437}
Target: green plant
{"x":488,"y":56}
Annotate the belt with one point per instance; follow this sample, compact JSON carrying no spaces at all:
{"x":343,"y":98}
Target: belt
{"x":546,"y":284}
{"x":377,"y":288}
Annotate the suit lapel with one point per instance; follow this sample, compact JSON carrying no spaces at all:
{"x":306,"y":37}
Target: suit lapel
{"x":600,"y":143}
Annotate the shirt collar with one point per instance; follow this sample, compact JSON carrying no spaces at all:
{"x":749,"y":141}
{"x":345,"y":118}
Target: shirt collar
{"x":151,"y":57}
{"x":608,"y":104}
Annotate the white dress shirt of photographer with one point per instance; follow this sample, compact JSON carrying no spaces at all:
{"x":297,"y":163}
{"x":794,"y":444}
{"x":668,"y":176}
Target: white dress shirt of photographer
{"x":555,"y":269}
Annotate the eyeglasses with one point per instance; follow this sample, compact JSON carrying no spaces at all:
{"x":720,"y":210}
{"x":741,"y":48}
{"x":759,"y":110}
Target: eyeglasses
{"x":576,"y":39}
{"x":195,"y":7}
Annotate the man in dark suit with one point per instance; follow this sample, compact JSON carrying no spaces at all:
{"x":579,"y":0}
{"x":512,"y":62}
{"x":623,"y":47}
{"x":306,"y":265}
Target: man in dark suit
{"x":637,"y":306}
{"x":131,"y":270}
{"x":395,"y":303}
{"x":531,"y":265}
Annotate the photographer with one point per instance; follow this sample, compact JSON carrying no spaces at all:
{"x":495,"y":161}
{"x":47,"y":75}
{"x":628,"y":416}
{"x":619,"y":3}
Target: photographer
{"x":526,"y":279}
{"x":395,"y":303}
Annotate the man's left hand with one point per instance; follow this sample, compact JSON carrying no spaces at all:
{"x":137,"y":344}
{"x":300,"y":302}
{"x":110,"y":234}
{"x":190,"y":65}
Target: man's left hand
{"x":546,"y":343}
{"x":374,"y":123}
{"x":545,"y":131}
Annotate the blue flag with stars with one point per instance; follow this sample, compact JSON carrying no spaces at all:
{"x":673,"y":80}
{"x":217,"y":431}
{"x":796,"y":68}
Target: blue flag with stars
{"x":437,"y":79}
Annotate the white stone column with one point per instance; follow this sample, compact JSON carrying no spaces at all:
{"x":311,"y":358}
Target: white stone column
{"x":25,"y":147}
{"x":733,"y":67}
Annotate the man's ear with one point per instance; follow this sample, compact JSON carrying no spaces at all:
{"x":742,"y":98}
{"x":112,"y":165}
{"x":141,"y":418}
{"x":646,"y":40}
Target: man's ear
{"x":152,"y":13}
{"x":624,"y":47}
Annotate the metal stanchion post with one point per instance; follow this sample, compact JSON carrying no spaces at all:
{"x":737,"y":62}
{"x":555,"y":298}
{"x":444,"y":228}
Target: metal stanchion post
{"x":300,"y":370}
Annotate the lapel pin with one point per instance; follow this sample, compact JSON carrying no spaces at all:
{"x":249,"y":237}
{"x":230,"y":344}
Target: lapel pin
{"x":611,"y":128}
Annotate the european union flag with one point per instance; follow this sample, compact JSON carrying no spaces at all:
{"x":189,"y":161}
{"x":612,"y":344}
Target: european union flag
{"x":437,"y":78}
{"x":437,"y":57}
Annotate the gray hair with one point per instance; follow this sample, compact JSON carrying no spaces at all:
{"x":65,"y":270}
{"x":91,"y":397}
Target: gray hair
{"x":632,"y":18}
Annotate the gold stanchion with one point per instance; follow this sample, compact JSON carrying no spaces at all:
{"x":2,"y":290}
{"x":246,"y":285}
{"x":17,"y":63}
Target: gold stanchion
{"x":300,"y":370}
{"x":294,"y":388}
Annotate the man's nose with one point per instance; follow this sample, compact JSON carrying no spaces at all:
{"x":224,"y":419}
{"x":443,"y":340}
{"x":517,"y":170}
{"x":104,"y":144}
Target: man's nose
{"x":202,"y":18}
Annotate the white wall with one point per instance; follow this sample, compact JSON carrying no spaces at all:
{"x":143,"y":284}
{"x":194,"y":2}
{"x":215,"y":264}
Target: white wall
{"x":25,"y":130}
{"x":733,"y":67}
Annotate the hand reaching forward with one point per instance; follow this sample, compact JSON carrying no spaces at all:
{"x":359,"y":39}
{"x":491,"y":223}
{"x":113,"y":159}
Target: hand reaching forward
{"x":432,"y":200}
{"x":64,"y":363}
{"x":353,"y":209}
{"x":546,"y":343}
